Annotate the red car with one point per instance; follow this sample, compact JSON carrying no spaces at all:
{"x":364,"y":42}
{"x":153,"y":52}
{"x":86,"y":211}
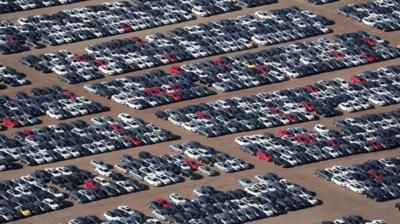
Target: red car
{"x":262,"y":69}
{"x":375,"y":174}
{"x":176,"y":70}
{"x":153,"y":90}
{"x":127,"y":27}
{"x":332,"y":143}
{"x":78,"y":58}
{"x":29,"y":133}
{"x":202,"y":115}
{"x":220,"y":62}
{"x":375,"y":145}
{"x":171,"y":58}
{"x":10,"y":122}
{"x":176,"y":87}
{"x":11,"y":38}
{"x":175,"y":96}
{"x":193,"y":164}
{"x":134,"y":140}
{"x":293,"y":119}
{"x":304,"y":139}
{"x":369,"y":41}
{"x":163,"y":202}
{"x":309,"y":107}
{"x":116,"y":127}
{"x":101,"y":62}
{"x":264,"y":156}
{"x":284,"y":132}
{"x":275,"y":110}
{"x":137,"y":40}
{"x":357,"y":80}
{"x":311,"y":89}
{"x":370,"y":58}
{"x":337,"y":54}
{"x":89,"y":183}
{"x":69,"y":94}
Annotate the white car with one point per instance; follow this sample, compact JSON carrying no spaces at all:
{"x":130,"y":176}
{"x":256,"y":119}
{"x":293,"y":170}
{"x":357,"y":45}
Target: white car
{"x":126,"y":185}
{"x":101,"y":181}
{"x":51,"y":203}
{"x":177,"y":198}
{"x":321,"y":128}
{"x":103,"y":171}
{"x":224,"y":167}
{"x":153,"y":180}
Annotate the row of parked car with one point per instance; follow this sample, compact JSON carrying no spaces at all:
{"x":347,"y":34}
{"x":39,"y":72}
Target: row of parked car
{"x":297,"y":146}
{"x":170,"y":169}
{"x":151,"y":89}
{"x":210,"y":157}
{"x":11,"y":77}
{"x":7,"y":6}
{"x":7,"y":162}
{"x":84,"y":187}
{"x":53,"y":101}
{"x":78,"y":138}
{"x":296,"y":60}
{"x":270,"y":196}
{"x":131,"y":54}
{"x":370,"y":126}
{"x":30,"y":195}
{"x":156,"y":171}
{"x":321,"y":2}
{"x":381,"y":14}
{"x":289,"y":106}
{"x":95,"y":21}
{"x":120,"y":215}
{"x":354,"y":219}
{"x":125,"y":214}
{"x":376,"y":179}
{"x":367,"y":133}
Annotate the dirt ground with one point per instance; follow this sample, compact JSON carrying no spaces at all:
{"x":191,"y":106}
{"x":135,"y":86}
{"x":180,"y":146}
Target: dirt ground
{"x":337,"y":202}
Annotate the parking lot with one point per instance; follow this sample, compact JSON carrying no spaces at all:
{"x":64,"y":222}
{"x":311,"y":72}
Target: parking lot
{"x":336,"y":202}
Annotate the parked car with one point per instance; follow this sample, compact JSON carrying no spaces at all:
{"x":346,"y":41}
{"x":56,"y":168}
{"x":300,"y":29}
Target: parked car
{"x":383,"y":15}
{"x":297,"y":145}
{"x":376,"y":179}
{"x":132,"y":54}
{"x":96,"y":21}
{"x":150,"y":90}
{"x":12,"y":77}
{"x":290,"y":106}
{"x":8,"y":6}
{"x":270,"y":196}
{"x":354,"y":219}
{"x":78,"y":138}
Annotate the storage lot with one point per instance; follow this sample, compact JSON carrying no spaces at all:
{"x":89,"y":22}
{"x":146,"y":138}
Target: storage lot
{"x":337,"y":202}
